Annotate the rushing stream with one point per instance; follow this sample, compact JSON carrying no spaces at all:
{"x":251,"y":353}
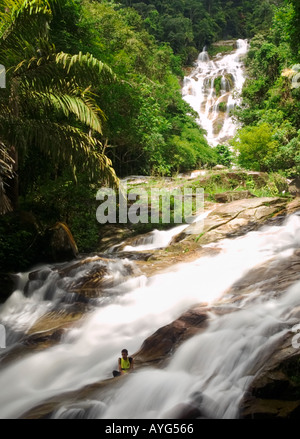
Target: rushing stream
{"x":215,"y":363}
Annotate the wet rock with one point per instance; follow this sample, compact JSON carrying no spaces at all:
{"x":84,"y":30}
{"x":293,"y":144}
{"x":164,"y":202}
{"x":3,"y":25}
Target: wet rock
{"x":96,"y":275}
{"x":183,"y":411}
{"x":219,"y":168}
{"x":272,"y":276}
{"x":227,"y":197}
{"x":275,"y":391}
{"x":293,"y":206}
{"x":135,"y":241}
{"x":158,"y":347}
{"x":236,"y":217}
{"x":48,"y":329}
{"x":112,"y":235}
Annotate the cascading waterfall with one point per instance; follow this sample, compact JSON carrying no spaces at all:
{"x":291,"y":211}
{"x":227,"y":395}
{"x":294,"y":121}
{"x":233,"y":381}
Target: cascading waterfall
{"x":213,"y":89}
{"x":216,"y":363}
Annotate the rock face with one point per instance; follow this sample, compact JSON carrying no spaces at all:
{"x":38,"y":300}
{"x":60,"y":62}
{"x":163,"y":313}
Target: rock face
{"x":272,"y":276}
{"x":227,"y":197}
{"x":112,"y":235}
{"x":236,"y":217}
{"x":294,"y":187}
{"x":275,"y":391}
{"x":157,"y":348}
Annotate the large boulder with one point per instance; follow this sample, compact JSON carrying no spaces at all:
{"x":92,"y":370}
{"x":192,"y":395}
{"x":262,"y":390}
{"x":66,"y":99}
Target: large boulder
{"x":227,"y":197}
{"x":238,"y":216}
{"x":81,"y":280}
{"x":274,"y":276}
{"x":157,"y":348}
{"x":275,"y":390}
{"x":294,"y":187}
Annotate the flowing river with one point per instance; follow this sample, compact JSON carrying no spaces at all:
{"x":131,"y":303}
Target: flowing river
{"x":215,"y":363}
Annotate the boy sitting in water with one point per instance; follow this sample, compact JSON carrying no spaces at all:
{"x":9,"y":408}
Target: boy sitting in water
{"x":125,"y":364}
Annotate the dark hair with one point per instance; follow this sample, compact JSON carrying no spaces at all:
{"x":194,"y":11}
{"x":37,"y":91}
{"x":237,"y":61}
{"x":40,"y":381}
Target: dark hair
{"x":124,"y":350}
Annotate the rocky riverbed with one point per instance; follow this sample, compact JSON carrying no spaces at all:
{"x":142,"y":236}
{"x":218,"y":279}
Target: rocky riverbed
{"x":275,"y":389}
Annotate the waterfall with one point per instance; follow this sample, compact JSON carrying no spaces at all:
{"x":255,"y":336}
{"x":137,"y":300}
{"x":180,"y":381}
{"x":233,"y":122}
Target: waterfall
{"x":213,"y":89}
{"x":216,"y":364}
{"x":158,"y":239}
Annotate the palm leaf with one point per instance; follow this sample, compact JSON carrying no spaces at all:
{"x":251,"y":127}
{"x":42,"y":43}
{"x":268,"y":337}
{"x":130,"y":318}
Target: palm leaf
{"x":61,"y":142}
{"x":85,"y":109}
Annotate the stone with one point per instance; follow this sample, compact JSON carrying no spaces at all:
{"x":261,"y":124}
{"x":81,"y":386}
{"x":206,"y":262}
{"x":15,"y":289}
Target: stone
{"x":275,"y":391}
{"x":236,"y":217}
{"x":294,"y":187}
{"x":271,"y":276}
{"x":159,"y":346}
{"x":293,"y":206}
{"x":219,"y":168}
{"x":227,"y":197}
{"x":112,"y":235}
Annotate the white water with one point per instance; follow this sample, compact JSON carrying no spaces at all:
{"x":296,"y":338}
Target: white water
{"x":199,"y":91}
{"x":215,"y":363}
{"x":161,"y":238}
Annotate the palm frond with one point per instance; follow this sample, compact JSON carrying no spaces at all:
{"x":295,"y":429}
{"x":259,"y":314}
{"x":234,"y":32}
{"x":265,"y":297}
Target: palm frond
{"x":85,"y":110}
{"x":61,"y":142}
{"x":6,"y":162}
{"x":5,"y":204}
{"x":85,"y":64}
{"x":24,"y":17}
{"x":6,"y":171}
{"x":46,"y":66}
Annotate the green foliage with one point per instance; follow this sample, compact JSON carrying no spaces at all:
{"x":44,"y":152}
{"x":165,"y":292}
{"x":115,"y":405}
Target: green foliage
{"x":144,"y":109}
{"x":18,"y":242}
{"x":217,"y":85}
{"x":214,"y":50}
{"x":223,"y":107}
{"x":225,"y":155}
{"x":255,"y":146}
{"x":189,"y":151}
{"x":270,"y":105}
{"x":64,"y":200}
{"x":189,"y":25}
{"x":48,"y":106}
